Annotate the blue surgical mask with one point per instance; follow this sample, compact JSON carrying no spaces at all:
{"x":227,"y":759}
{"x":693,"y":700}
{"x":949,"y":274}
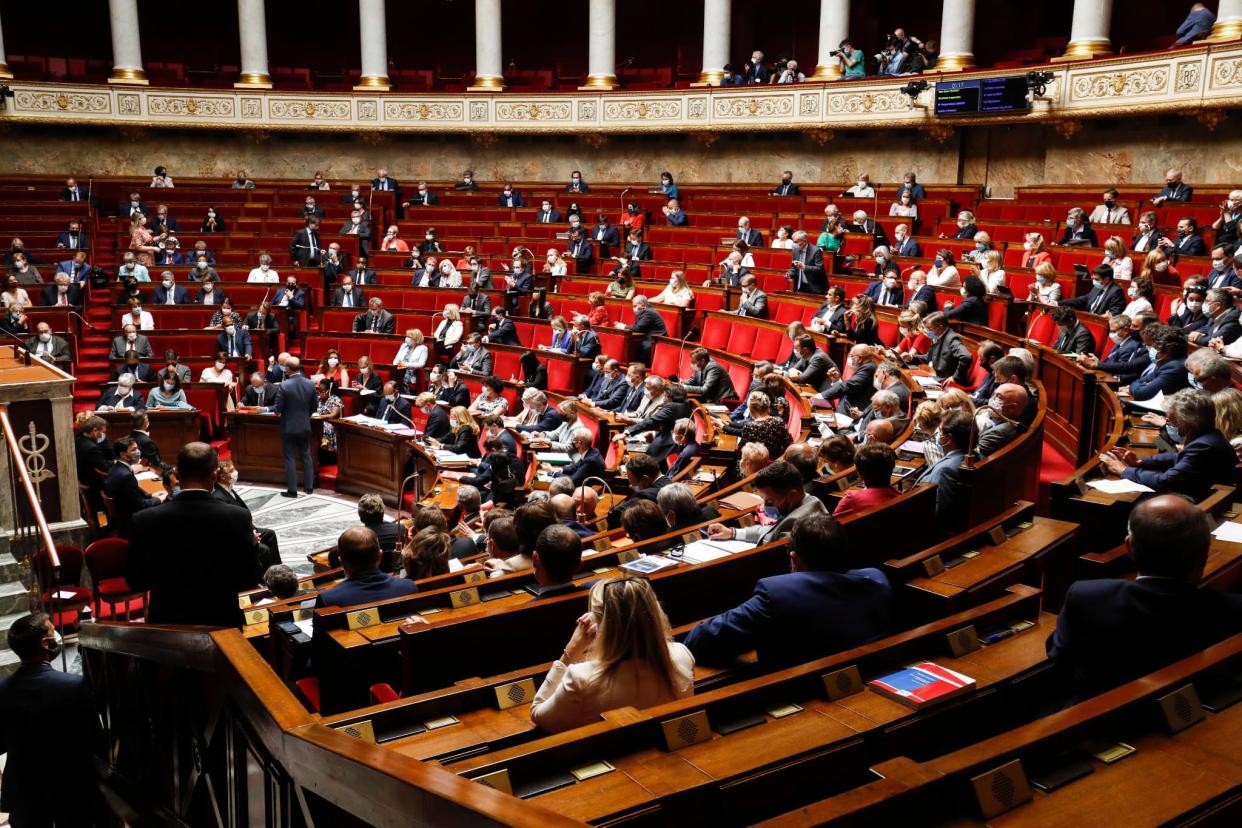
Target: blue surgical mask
{"x":168,"y":386}
{"x":939,"y":262}
{"x":1194,"y":381}
{"x":1152,"y":352}
{"x":980,"y":246}
{"x":1096,"y":283}
{"x":1175,"y":434}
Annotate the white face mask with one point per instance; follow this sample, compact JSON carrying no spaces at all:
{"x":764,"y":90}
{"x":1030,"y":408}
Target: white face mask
{"x":62,"y":288}
{"x":131,"y":336}
{"x":265,"y":267}
{"x":219,"y":366}
{"x":333,"y":362}
{"x":45,"y":337}
{"x":208,"y":287}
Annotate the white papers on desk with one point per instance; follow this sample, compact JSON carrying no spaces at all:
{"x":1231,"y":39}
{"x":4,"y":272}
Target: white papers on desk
{"x":363,"y":419}
{"x":912,"y":446}
{"x":926,"y":381}
{"x":1156,"y":403}
{"x":555,"y":458}
{"x":365,"y":392}
{"x":448,"y":458}
{"x":844,"y":420}
{"x":717,"y":409}
{"x":147,"y":475}
{"x":1118,"y":486}
{"x":703,"y":551}
{"x":1229,"y":531}
{"x":306,"y":626}
{"x":455,"y":565}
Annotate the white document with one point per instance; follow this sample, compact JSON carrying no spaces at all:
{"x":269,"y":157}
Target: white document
{"x":455,"y":565}
{"x":912,"y":446}
{"x":844,"y":420}
{"x":64,"y":595}
{"x":1156,"y":403}
{"x":701,"y":552}
{"x":1229,"y":531}
{"x":307,"y":626}
{"x":1119,"y":486}
{"x":927,"y":381}
{"x":147,"y":475}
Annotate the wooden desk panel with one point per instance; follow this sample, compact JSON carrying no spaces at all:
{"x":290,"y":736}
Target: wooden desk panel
{"x":170,"y":430}
{"x":371,"y":460}
{"x":257,"y":451}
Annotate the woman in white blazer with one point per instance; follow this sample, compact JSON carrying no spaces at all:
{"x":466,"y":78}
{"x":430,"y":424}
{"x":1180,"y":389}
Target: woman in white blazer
{"x":621,"y":655}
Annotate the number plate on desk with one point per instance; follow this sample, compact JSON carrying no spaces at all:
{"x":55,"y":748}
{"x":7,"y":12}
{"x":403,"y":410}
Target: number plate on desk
{"x":464,"y":597}
{"x":963,"y":641}
{"x":497,"y":780}
{"x":256,"y":616}
{"x":841,"y":683}
{"x":515,"y":693}
{"x":358,"y":619}
{"x":1000,"y":790}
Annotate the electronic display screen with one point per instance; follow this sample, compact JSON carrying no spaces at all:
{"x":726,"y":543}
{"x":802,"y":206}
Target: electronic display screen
{"x":985,"y":96}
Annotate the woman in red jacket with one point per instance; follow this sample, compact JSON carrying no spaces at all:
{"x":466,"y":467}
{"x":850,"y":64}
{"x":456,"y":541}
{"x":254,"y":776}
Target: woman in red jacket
{"x":1035,"y":252}
{"x":874,"y":463}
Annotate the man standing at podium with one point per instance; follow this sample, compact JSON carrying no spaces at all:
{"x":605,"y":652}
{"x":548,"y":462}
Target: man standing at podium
{"x":295,"y":402}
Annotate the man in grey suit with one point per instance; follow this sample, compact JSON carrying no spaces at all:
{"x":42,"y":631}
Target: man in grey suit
{"x":47,"y":346}
{"x":295,"y":402}
{"x":780,"y":485}
{"x":754,"y":302}
{"x":948,"y":355}
{"x":710,"y":380}
{"x":998,"y":424}
{"x":806,"y":269}
{"x":131,"y":340}
{"x":952,"y":495}
{"x":473,"y":357}
{"x":813,"y":364}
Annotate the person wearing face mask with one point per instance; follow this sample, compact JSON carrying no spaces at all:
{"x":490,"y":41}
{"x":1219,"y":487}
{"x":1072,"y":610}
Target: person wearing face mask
{"x":51,"y":721}
{"x":328,"y":406}
{"x":1147,"y":234}
{"x":576,"y":184}
{"x":904,"y":244}
{"x":1166,"y":371}
{"x":423,"y":197}
{"x":76,"y":268}
{"x":94,"y":459}
{"x":1188,"y":241}
{"x":753,"y":301}
{"x":1223,"y":323}
{"x":998,"y":424}
{"x":1141,"y":294}
{"x":351,"y":196}
{"x":1109,"y":211}
{"x":168,"y":292}
{"x":306,"y":245}
{"x":1128,"y":356}
{"x":546,"y":214}
{"x":1078,"y":233}
{"x":259,"y":392}
{"x":266,"y":545}
{"x":1073,"y":337}
{"x":235,"y":340}
{"x":1224,"y":273}
{"x":854,"y":391}
{"x":510,"y":197}
{"x":218,"y":372}
{"x":667,"y":188}
{"x":357,"y":225}
{"x":1186,"y":313}
{"x":786,"y":187}
{"x":1174,"y":189}
{"x":172,"y":365}
{"x":904,"y":207}
{"x":48,"y":347}
{"x":944,"y":272}
{"x":393,"y":408}
{"x":138,"y":316}
{"x":264,"y":273}
{"x":121,"y":396}
{"x":122,"y":486}
{"x":966,"y":228}
{"x":1105,"y":296}
{"x":972,"y":309}
{"x":362,"y":274}
{"x":348,"y":295}
{"x":202,"y":271}
{"x":168,"y":394}
{"x":130,"y":340}
{"x":430,"y":244}
{"x":1205,"y":456}
{"x":213,"y":222}
{"x":210,"y":294}
{"x":948,"y":356}
{"x":375,"y":319}
{"x":888,"y":290}
{"x":1226,"y":225}
{"x":385,"y":183}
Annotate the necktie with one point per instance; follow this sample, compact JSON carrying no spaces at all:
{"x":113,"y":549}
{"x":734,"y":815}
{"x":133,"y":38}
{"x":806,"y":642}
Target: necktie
{"x":374,"y":324}
{"x":260,"y":396}
{"x":63,"y":299}
{"x":75,"y":194}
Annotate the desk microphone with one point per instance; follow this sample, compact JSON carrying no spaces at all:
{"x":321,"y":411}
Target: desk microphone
{"x":83,"y":320}
{"x":392,"y":409}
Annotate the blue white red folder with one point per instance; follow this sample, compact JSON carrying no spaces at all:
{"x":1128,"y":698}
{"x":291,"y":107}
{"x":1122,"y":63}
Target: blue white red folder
{"x":922,"y":684}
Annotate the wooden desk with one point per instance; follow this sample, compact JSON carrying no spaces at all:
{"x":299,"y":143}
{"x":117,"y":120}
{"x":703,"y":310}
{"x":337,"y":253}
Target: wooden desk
{"x":257,"y":451}
{"x":170,"y":430}
{"x":371,"y":460}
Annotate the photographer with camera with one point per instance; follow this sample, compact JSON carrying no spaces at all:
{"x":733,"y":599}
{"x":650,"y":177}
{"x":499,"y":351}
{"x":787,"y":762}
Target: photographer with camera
{"x":852,"y":61}
{"x":899,"y":50}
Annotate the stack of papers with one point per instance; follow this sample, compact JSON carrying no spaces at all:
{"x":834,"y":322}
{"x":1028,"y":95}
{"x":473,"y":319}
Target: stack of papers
{"x":648,"y":564}
{"x":926,"y":381}
{"x":448,"y":458}
{"x":147,"y":475}
{"x":557,"y":458}
{"x":1119,"y":486}
{"x":707,"y":550}
{"x":1156,"y":403}
{"x":912,"y":446}
{"x":1229,"y":531}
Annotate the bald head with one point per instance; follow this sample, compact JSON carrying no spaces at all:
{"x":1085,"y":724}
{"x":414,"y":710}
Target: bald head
{"x":1013,"y":399}
{"x":563,"y":505}
{"x":293,"y":365}
{"x":1169,"y":538}
{"x":880,"y":431}
{"x":586,"y":501}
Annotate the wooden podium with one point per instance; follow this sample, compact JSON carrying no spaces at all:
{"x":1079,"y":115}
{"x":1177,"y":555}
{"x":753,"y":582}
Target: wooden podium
{"x":170,"y":429}
{"x":257,"y":451}
{"x":375,"y":461}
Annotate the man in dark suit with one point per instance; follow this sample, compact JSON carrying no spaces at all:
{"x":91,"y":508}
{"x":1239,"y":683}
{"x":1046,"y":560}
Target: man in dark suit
{"x":645,"y":478}
{"x":904,"y":244}
{"x":193,"y":554}
{"x":1188,"y":241}
{"x":606,"y":235}
{"x":77,"y":269}
{"x":472,"y":357}
{"x":586,"y":343}
{"x":1074,"y":337}
{"x":335,"y":263}
{"x":169,"y":289}
{"x":49,"y":727}
{"x":361,"y":274}
{"x":753,"y":302}
{"x":259,"y":393}
{"x":806,"y":269}
{"x":710,"y":380}
{"x":423,"y":197}
{"x":952,"y":495}
{"x":822,"y":606}
{"x":305,"y":246}
{"x":588,"y":463}
{"x":133,"y":205}
{"x":375,"y":319}
{"x":999,"y":424}
{"x":582,"y":251}
{"x":636,"y":249}
{"x":1223,"y":319}
{"x":1078,"y":232}
{"x":235,"y":342}
{"x":748,"y":234}
{"x":661,"y":422}
{"x":1113,"y":630}
{"x":393,"y":408}
{"x":73,"y":191}
{"x":266,"y":545}
{"x":758,"y":72}
{"x":359,"y":550}
{"x":576,"y":184}
{"x":854,"y":392}
{"x":611,"y":388}
{"x":140,"y":434}
{"x":47,"y":346}
{"x":1174,"y":189}
{"x":547,"y":214}
{"x":122,"y":395}
{"x":293,"y":299}
{"x":73,"y":238}
{"x":385,"y":183}
{"x":813,"y":366}
{"x":130,"y":340}
{"x":1224,"y":272}
{"x":547,"y":416}
{"x":627,"y":396}
{"x":1105,"y":294}
{"x":437,"y":427}
{"x":502,"y":331}
{"x":786,"y":187}
{"x":296,"y":401}
{"x":1128,"y":357}
{"x":311,"y":210}
{"x":1205,"y":456}
{"x":556,"y":557}
{"x":122,"y":487}
{"x":647,"y":322}
{"x":349,"y":295}
{"x":357,"y":226}
{"x":94,"y":458}
{"x":948,"y":356}
{"x":510,"y":197}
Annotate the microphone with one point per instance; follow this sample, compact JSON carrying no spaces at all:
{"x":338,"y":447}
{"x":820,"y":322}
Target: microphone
{"x":392,"y":409}
{"x":84,"y":321}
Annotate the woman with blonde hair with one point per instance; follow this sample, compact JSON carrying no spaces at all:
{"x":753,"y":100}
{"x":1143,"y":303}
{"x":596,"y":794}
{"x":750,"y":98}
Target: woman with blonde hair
{"x":861,"y":323}
{"x":427,"y":553}
{"x":914,"y":340}
{"x":599,"y":316}
{"x":1116,"y":258}
{"x":448,"y":332}
{"x":621,"y":654}
{"x":1228,"y":403}
{"x":992,"y":272}
{"x":927,"y":418}
{"x":562,"y":339}
{"x":1159,"y":269}
{"x":555,"y":265}
{"x":956,"y":398}
{"x":677,"y":293}
{"x":411,"y":356}
{"x":141,"y":240}
{"x":561,"y":437}
{"x":1035,"y":251}
{"x":463,"y":435}
{"x":450,"y":277}
{"x":1045,"y":290}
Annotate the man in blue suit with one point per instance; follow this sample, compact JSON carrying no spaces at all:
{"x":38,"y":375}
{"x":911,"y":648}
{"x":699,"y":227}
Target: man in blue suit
{"x":1128,"y":357}
{"x":1205,"y":458}
{"x":295,"y":402}
{"x":612,"y":386}
{"x":50,"y":730}
{"x":822,"y":606}
{"x":1166,"y":371}
{"x":806,"y":268}
{"x":952,"y":495}
{"x":1113,"y":630}
{"x":629,"y":395}
{"x":168,"y":288}
{"x":121,"y":485}
{"x":547,"y":416}
{"x":235,"y":342}
{"x":393,"y":408}
{"x":1105,"y":294}
{"x":364,"y":583}
{"x":510,"y":197}
{"x":590,"y":462}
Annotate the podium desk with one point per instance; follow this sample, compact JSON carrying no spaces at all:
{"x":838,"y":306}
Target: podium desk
{"x":374,"y":461}
{"x":257,"y":450}
{"x":170,"y":429}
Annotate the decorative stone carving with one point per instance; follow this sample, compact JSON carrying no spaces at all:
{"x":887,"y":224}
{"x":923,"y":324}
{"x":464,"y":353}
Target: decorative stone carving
{"x":1121,"y":84}
{"x":707,"y":139}
{"x":321,"y":110}
{"x":93,"y":104}
{"x":533,"y":111}
{"x":877,"y":102}
{"x":1067,"y":129}
{"x":940,"y":132}
{"x":128,"y":104}
{"x":478,"y":110}
{"x":754,"y":107}
{"x":183,"y":105}
{"x":1187,"y":77}
{"x":653,"y":110}
{"x":423,"y":111}
{"x":595,"y":140}
{"x":820,"y":136}
{"x":1211,"y":118}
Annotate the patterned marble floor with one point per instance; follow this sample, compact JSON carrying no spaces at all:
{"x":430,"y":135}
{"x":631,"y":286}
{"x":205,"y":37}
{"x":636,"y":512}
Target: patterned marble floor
{"x":307,"y":524}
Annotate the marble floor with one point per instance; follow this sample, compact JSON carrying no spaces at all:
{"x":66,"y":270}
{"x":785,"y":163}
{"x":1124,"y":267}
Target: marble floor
{"x":308,"y":524}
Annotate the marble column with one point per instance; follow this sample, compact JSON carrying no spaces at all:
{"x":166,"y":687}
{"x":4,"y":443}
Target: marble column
{"x":5,"y":72}
{"x":126,"y":43}
{"x":252,"y":31}
{"x":489,"y":73}
{"x":373,"y":32}
{"x":602,"y":46}
{"x":717,"y":18}
{"x":957,"y":36}
{"x":1228,"y":24}
{"x":834,"y":26}
{"x":1089,"y":30}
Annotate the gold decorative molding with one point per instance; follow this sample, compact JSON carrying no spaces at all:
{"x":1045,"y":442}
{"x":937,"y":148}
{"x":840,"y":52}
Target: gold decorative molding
{"x":1182,"y":80}
{"x":254,"y":80}
{"x":1224,"y":30}
{"x":830,"y":72}
{"x":487,"y":83}
{"x":373,"y":83}
{"x":955,"y":63}
{"x":820,"y":136}
{"x":1086,"y":50}
{"x":710,"y":78}
{"x":599,"y":83}
{"x":940,"y":131}
{"x":5,"y":72}
{"x":132,"y":77}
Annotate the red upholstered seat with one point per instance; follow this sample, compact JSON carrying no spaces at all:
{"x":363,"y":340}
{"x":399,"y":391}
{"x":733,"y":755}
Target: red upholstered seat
{"x":105,"y":561}
{"x":382,"y":693}
{"x":715,"y":333}
{"x":308,"y":689}
{"x":742,"y":339}
{"x":767,"y":343}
